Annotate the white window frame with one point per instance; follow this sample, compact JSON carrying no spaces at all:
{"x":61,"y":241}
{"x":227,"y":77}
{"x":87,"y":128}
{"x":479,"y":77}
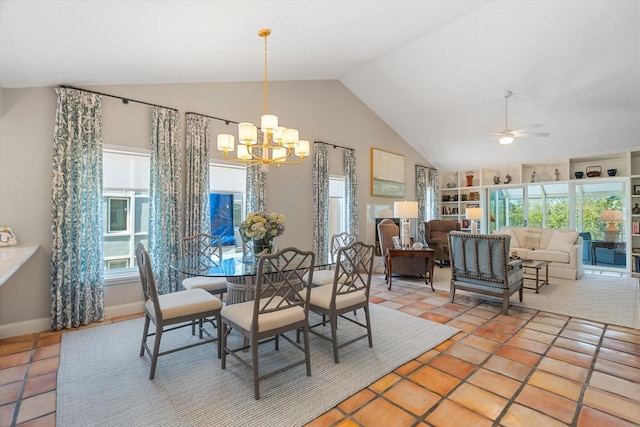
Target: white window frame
{"x":127,"y":214}
{"x":123,"y":275}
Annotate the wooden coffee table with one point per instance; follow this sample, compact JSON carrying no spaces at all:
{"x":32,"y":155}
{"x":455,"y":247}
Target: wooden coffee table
{"x":537,"y":265}
{"x":427,"y":253}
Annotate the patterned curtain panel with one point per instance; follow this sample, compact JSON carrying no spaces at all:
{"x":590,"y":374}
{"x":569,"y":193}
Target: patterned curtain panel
{"x":351,"y":199}
{"x":165,"y":219}
{"x":77,"y":265}
{"x":198,"y":138}
{"x":321,"y":201}
{"x":434,"y":194}
{"x":422,"y":195}
{"x":256,"y":184}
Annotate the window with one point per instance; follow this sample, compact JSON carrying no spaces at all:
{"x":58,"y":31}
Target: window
{"x":227,"y":184}
{"x":336,"y":206}
{"x":118,"y":210}
{"x":126,"y":208}
{"x":117,"y":263}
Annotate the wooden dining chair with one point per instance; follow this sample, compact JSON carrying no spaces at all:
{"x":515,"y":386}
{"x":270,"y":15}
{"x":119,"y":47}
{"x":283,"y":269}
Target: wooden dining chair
{"x":172,"y":311}
{"x":201,"y":250}
{"x":349,"y":292}
{"x":281,"y":304}
{"x":325,"y":277}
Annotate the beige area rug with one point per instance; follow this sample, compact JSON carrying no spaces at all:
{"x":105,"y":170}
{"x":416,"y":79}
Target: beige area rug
{"x":606,"y":297}
{"x":102,"y":381}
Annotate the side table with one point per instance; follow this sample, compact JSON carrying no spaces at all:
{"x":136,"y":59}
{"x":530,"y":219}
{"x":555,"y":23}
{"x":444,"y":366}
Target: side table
{"x":537,"y":266}
{"x":427,"y":253}
{"x":607,"y":245}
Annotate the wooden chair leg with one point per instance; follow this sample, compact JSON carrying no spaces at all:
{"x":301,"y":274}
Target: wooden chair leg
{"x":334,"y":336}
{"x":156,"y":350}
{"x":307,"y":352}
{"x":505,"y":303}
{"x":219,"y":331}
{"x":368,"y":319}
{"x":256,"y":369}
{"x":223,"y":345}
{"x":145,"y":333}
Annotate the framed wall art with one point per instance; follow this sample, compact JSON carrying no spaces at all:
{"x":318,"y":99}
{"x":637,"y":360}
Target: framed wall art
{"x":387,"y":174}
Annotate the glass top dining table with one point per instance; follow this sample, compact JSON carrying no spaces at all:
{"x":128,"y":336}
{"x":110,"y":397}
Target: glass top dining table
{"x":239,"y":271}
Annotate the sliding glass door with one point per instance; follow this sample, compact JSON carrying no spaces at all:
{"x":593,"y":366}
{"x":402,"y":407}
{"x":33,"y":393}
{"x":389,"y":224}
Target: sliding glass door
{"x":506,"y":207}
{"x":599,"y":212}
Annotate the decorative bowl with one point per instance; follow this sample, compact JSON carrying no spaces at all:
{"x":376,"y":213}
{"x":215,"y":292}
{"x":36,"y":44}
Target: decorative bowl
{"x":417,"y":245}
{"x":579,"y":175}
{"x":612,"y":172}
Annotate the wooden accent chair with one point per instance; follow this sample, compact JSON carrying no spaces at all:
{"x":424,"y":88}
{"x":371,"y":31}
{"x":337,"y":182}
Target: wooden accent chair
{"x":435,"y":233}
{"x":480,"y":263}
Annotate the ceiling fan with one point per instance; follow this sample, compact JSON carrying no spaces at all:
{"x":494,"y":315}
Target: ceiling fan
{"x":507,"y":135}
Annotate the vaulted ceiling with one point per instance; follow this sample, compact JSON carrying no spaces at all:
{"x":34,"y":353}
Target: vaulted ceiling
{"x":435,"y":71}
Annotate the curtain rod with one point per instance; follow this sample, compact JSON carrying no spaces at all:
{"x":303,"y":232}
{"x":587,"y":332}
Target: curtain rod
{"x":334,"y":145}
{"x":427,"y":167}
{"x":226,"y":121}
{"x":124,"y":100}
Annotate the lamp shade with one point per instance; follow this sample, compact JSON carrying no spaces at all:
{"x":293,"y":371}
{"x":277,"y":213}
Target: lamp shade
{"x":225,"y":142}
{"x":405,"y":209}
{"x":611,"y":215}
{"x":473,"y":213}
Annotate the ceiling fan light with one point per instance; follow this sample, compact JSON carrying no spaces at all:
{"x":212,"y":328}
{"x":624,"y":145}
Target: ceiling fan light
{"x":508,"y":139}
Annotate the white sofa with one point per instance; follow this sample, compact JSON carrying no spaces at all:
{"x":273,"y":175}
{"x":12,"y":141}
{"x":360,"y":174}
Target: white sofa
{"x":562,"y":247}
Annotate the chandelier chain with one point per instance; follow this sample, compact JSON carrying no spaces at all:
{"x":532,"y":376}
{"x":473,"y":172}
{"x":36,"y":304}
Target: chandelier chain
{"x":265,"y":86}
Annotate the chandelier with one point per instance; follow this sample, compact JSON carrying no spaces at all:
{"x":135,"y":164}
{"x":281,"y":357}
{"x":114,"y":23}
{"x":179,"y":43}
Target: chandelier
{"x":278,"y":143}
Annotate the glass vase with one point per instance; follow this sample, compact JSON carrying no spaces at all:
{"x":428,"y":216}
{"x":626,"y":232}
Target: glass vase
{"x":262,"y":247}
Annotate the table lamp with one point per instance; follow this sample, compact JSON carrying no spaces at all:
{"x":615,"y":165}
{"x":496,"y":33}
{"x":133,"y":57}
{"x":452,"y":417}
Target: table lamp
{"x":474,"y":214}
{"x":611,"y":216}
{"x":405,"y":211}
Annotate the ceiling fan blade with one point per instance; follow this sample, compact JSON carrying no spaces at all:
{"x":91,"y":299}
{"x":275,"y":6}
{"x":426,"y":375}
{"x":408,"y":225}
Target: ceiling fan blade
{"x":526,"y":134}
{"x":494,"y":133}
{"x":535,"y":126}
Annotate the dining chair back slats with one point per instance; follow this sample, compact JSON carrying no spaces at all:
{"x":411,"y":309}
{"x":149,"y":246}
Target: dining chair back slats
{"x":281,"y":304}
{"x":202,"y":250}
{"x":349,"y":292}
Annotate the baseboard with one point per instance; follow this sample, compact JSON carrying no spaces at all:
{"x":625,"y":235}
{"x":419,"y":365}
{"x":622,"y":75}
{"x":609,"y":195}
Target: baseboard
{"x":25,"y":328}
{"x":44,"y":324}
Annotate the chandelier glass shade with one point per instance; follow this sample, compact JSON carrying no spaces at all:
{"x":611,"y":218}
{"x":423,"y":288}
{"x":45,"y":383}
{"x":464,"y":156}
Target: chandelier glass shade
{"x":278,"y":144}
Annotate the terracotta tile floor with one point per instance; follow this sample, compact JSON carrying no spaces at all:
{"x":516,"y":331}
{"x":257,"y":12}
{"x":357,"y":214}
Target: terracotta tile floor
{"x":529,"y":368}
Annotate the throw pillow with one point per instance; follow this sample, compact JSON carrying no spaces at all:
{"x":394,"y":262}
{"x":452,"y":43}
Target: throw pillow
{"x":514,"y":240}
{"x":562,"y":241}
{"x":532,"y":238}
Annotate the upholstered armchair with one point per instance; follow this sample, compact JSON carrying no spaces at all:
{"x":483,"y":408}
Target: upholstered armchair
{"x":480,"y":263}
{"x":436,"y":234}
{"x":403,"y":266}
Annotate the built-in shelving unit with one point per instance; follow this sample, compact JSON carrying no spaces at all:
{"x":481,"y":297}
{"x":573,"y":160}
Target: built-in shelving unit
{"x":456,"y":191}
{"x":634,"y":172}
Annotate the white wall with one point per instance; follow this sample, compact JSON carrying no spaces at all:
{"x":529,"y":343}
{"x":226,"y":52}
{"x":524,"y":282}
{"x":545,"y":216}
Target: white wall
{"x":321,"y":110}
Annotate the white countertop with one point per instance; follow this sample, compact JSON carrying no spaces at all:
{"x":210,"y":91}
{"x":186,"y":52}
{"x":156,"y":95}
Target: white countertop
{"x":12,"y":258}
